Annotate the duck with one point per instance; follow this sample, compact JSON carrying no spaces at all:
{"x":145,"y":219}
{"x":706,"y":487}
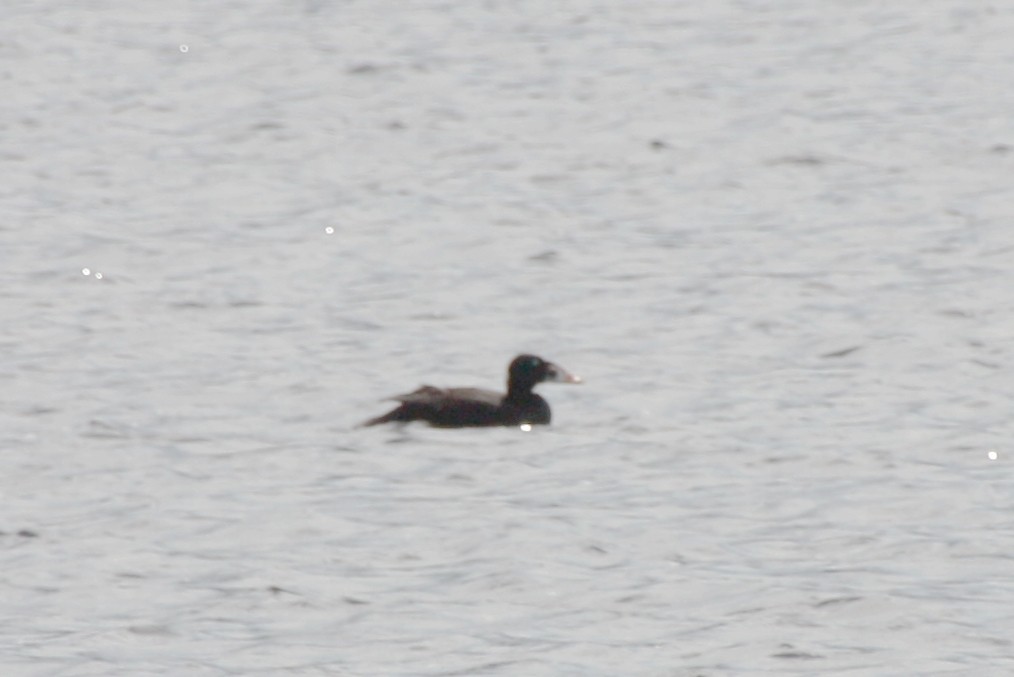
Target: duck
{"x":475,"y":407}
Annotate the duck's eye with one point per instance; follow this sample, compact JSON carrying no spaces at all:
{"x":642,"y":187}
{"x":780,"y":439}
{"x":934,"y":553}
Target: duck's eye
{"x":533,"y":363}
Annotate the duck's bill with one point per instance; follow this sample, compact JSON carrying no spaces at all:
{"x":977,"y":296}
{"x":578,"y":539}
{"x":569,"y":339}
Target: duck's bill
{"x":559,"y":375}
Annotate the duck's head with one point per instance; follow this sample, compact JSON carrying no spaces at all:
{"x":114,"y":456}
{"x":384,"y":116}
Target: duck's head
{"x":525,"y":371}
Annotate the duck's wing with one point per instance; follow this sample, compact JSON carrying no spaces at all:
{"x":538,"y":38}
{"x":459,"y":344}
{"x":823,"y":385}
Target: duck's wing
{"x":423,"y":395}
{"x":439,"y":397}
{"x":445,"y":407}
{"x":476,"y":395}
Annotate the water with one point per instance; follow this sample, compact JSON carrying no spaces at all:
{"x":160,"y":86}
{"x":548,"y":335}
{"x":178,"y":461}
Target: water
{"x":774,"y":238}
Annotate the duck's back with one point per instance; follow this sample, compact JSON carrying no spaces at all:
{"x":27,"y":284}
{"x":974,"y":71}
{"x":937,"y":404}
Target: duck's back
{"x":464,"y":407}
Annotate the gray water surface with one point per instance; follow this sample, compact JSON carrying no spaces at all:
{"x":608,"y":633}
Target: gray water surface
{"x":775,"y":238}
